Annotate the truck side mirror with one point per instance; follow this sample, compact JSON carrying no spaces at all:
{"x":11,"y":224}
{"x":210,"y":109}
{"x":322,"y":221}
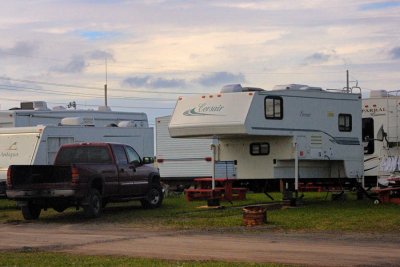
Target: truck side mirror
{"x":148,"y":160}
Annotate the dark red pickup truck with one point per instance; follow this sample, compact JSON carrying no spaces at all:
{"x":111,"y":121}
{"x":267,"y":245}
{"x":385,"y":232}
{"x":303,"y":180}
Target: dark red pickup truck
{"x":87,"y":175}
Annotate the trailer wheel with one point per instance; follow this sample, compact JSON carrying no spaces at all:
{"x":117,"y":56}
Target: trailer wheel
{"x":153,"y":198}
{"x":31,"y":211}
{"x":93,"y":208}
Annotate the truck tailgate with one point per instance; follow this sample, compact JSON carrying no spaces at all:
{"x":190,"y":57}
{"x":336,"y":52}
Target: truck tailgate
{"x":33,"y":176}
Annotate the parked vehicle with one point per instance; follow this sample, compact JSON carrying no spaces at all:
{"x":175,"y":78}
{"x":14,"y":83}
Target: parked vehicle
{"x":38,"y":145}
{"x":291,"y":132}
{"x":36,"y":113}
{"x":86,"y":175}
{"x":381,"y":129}
{"x":33,"y":133}
{"x":181,"y":159}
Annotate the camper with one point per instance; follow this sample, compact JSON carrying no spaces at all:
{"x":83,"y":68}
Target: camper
{"x":380,"y":124}
{"x":38,"y":145}
{"x":37,"y":112}
{"x":292,"y":132}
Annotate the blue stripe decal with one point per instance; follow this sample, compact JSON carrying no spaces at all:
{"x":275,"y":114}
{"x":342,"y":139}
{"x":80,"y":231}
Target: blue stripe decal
{"x":337,"y":140}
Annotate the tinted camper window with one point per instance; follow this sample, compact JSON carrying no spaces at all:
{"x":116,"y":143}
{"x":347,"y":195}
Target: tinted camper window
{"x":258,"y":149}
{"x":273,"y":107}
{"x":345,"y":123}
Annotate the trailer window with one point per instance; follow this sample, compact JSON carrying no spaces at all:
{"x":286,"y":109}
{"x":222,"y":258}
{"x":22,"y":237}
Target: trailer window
{"x":345,"y":124}
{"x":273,"y":107}
{"x":258,"y":149}
{"x":368,"y":135}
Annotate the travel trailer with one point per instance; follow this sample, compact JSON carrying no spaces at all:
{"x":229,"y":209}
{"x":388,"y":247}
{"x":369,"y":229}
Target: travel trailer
{"x":381,"y":123}
{"x":291,"y":132}
{"x":35,"y":113}
{"x":33,"y":135}
{"x":181,"y":159}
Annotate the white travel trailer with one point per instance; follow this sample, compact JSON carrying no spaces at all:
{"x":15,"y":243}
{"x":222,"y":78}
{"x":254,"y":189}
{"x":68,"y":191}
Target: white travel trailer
{"x":38,"y":145}
{"x":381,"y":129}
{"x":35,"y":113}
{"x":294,"y":131}
{"x":181,"y":159}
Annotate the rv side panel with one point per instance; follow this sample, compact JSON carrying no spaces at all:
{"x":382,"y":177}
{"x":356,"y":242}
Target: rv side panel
{"x":181,"y":158}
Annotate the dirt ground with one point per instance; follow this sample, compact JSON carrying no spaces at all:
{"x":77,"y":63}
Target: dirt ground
{"x":313,"y":249}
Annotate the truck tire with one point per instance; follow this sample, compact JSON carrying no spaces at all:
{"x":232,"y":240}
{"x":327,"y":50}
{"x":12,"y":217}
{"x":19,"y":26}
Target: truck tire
{"x":153,"y":198}
{"x":60,"y":208}
{"x":93,"y":208}
{"x":31,"y":211}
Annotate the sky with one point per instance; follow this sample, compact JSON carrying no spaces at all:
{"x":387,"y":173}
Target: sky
{"x":150,"y":52}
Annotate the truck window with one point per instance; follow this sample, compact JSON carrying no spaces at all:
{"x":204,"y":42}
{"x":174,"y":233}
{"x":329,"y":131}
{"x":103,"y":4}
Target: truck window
{"x":120,"y":155}
{"x":92,"y":154}
{"x":132,"y":154}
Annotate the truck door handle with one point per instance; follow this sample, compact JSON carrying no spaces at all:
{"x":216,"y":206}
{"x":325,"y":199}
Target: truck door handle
{"x":132,"y":168}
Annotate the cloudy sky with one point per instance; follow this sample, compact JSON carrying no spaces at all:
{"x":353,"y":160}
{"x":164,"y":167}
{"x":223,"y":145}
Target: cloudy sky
{"x":157,"y":50}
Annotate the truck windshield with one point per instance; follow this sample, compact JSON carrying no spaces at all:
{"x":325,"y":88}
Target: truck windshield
{"x":89,"y":154}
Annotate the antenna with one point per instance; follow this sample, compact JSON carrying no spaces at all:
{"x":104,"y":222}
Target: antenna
{"x":105,"y":85}
{"x":347,"y":81}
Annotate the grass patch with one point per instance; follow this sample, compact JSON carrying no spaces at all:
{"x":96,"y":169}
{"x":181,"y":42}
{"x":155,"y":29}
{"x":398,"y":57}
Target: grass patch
{"x":317,"y":214}
{"x":63,"y":259}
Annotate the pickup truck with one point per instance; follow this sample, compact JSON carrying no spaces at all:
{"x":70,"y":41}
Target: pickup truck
{"x":87,"y":175}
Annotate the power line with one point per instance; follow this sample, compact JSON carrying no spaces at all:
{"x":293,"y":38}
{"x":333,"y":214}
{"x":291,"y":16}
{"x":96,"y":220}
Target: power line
{"x":41,"y":90}
{"x":96,"y":88}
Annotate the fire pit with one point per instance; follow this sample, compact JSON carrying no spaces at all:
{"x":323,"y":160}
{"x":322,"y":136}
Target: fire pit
{"x":254,"y":215}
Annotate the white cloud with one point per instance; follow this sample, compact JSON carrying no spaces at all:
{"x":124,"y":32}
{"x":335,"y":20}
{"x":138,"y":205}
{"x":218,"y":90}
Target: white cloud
{"x":266,"y":41}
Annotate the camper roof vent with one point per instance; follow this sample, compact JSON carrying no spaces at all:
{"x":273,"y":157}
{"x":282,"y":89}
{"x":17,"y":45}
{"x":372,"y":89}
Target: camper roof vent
{"x":234,"y":88}
{"x":128,"y":124}
{"x":294,"y":86}
{"x":378,"y":93}
{"x":104,"y":108}
{"x":59,"y":108}
{"x":34,"y":105}
{"x":77,"y":121}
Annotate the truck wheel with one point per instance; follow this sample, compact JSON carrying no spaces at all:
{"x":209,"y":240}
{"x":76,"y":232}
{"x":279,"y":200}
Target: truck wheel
{"x":31,"y":211}
{"x":153,"y":198}
{"x":93,"y":208}
{"x":60,"y":208}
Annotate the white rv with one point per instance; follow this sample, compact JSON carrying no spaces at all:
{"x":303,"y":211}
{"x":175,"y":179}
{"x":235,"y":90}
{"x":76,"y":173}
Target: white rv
{"x":293,"y":131}
{"x":381,"y":129}
{"x":35,"y":113}
{"x":181,"y":159}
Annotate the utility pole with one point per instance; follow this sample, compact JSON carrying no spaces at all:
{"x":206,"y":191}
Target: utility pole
{"x":105,"y":86}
